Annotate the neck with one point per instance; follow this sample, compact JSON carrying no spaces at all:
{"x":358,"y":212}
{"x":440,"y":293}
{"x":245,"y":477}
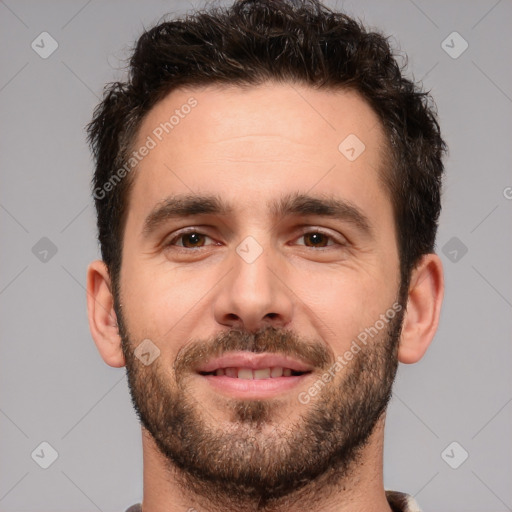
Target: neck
{"x":166,"y":489}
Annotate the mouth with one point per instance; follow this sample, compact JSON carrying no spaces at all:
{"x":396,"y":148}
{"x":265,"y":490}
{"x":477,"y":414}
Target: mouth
{"x":250,"y":375}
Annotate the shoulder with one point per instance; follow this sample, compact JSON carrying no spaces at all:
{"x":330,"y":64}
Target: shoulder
{"x":401,"y":502}
{"x":135,"y":508}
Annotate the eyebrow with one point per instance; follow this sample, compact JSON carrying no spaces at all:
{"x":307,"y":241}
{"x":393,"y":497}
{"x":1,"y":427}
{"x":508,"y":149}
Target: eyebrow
{"x":180,"y":206}
{"x":184,"y":206}
{"x":324,"y":206}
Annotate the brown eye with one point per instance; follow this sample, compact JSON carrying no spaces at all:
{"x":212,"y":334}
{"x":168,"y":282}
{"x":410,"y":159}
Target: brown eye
{"x":191,"y":240}
{"x":316,"y":239}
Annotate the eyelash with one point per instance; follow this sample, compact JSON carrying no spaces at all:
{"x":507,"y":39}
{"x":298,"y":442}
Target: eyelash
{"x":180,"y":235}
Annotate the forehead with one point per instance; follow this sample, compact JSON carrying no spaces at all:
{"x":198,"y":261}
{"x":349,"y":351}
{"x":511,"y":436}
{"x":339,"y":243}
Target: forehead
{"x":263,"y":139}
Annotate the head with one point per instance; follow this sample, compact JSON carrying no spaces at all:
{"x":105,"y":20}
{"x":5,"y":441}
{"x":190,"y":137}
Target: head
{"x":258,"y":121}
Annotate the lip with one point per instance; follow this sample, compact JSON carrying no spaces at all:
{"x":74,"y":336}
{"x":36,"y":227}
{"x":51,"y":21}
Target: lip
{"x":256,"y":388}
{"x":255,"y":362}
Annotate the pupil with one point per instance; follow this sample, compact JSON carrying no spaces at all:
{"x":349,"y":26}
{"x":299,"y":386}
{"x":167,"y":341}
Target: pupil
{"x":316,"y":238}
{"x":193,"y":238}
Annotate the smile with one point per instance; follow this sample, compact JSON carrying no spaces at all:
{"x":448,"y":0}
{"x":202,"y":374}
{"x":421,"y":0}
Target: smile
{"x":250,"y":375}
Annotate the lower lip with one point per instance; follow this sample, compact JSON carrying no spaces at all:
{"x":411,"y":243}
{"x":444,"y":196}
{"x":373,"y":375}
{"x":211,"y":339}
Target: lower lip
{"x":255,"y":388}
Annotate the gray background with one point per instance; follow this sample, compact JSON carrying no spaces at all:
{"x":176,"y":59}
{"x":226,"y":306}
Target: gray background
{"x":54,"y":387}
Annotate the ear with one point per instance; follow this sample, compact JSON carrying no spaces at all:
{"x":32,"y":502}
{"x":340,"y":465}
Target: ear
{"x":102,"y":317}
{"x":421,"y":319}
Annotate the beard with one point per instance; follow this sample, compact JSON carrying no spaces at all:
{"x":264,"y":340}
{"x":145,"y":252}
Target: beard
{"x":254,"y":461}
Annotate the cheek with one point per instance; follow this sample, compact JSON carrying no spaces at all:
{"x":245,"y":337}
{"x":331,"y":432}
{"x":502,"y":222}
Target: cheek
{"x":160,"y":301}
{"x":342,"y":304}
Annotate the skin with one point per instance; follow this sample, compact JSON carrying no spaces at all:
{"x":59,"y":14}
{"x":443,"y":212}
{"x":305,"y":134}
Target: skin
{"x":249,"y":147}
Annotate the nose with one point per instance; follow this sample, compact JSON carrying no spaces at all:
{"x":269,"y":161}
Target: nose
{"x":254,"y":295}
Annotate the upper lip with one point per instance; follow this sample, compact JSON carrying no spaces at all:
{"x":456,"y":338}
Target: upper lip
{"x":254,"y":362}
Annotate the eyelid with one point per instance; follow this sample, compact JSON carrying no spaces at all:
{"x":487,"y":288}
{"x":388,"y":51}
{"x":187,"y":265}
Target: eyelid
{"x":178,"y":234}
{"x":338,"y":240}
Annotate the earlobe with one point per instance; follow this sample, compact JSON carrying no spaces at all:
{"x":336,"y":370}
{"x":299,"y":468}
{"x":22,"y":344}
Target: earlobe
{"x":102,"y":317}
{"x":421,"y":319}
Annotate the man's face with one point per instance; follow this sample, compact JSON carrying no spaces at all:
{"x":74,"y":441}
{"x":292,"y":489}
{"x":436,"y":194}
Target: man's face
{"x":275,"y":281}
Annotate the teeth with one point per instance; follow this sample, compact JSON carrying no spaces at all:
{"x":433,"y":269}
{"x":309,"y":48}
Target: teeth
{"x":276,"y":372}
{"x":263,"y":373}
{"x":249,"y":374}
{"x":231,"y":372}
{"x":245,"y":373}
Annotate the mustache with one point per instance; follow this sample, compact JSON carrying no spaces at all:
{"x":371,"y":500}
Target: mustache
{"x":269,"y":339}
